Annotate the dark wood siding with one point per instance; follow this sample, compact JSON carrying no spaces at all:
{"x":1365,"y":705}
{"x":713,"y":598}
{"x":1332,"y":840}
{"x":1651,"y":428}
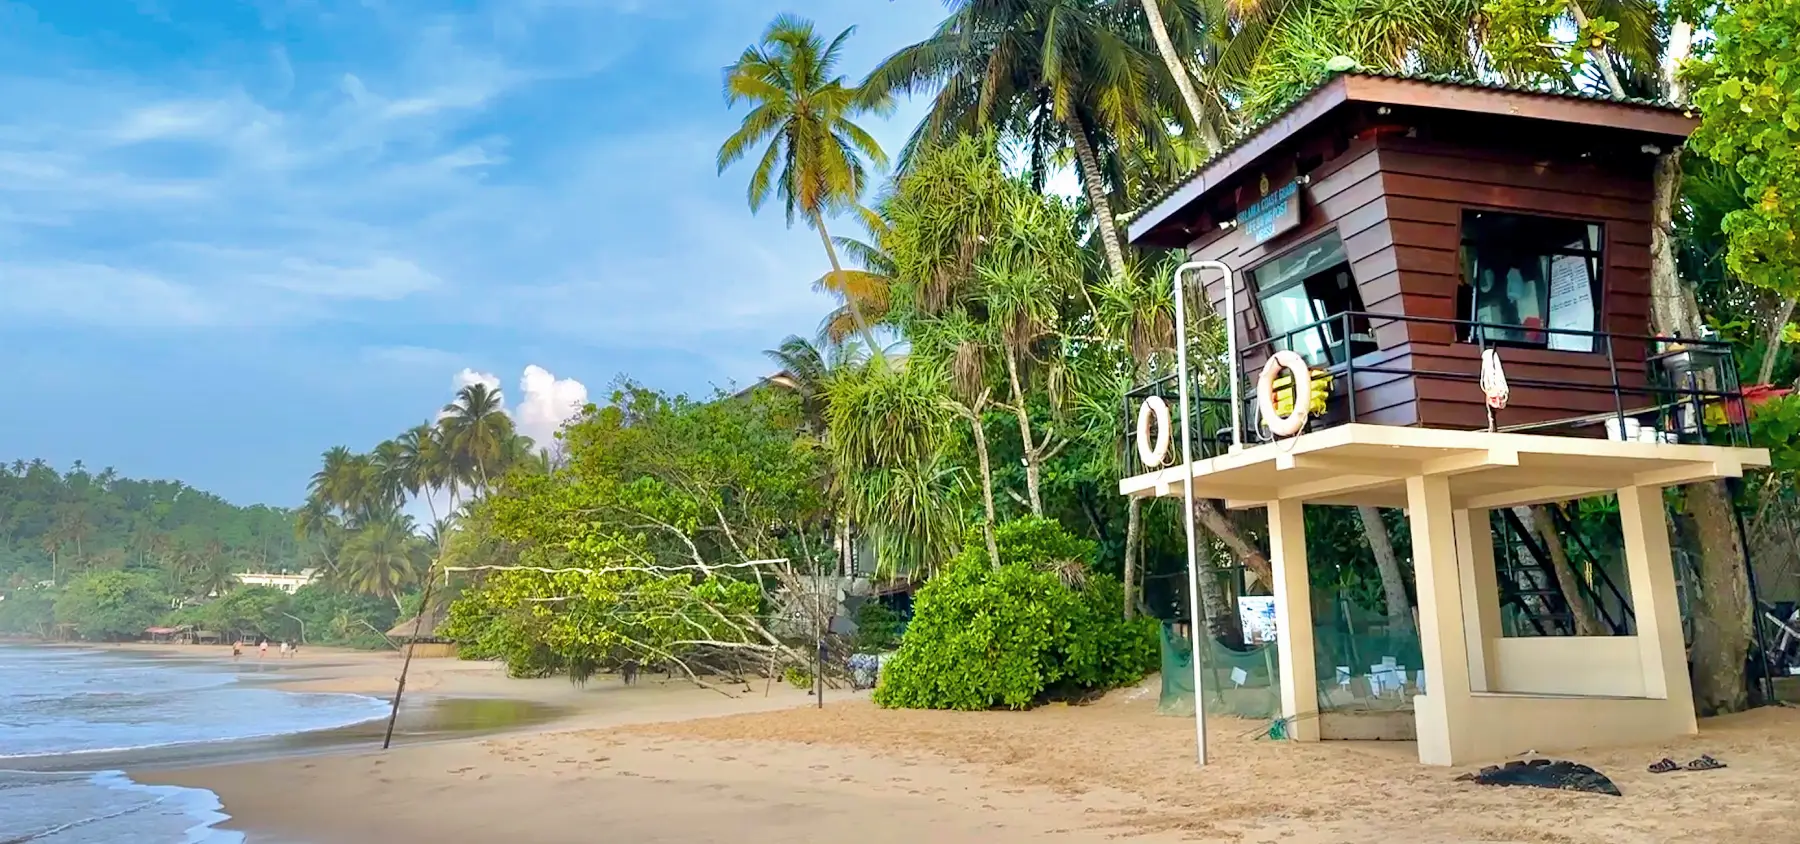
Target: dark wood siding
{"x":1428,"y":186}
{"x":1397,"y":202}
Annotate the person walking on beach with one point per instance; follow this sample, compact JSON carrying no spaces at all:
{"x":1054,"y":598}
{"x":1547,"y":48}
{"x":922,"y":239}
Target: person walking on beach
{"x":284,"y":649}
{"x":237,"y":650}
{"x":262,"y":650}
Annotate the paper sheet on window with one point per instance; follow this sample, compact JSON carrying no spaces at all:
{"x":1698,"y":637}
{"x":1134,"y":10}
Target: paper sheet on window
{"x":1571,"y":303}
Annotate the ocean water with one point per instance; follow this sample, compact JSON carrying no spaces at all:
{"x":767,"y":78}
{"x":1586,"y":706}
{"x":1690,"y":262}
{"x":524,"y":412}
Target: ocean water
{"x":61,"y":705}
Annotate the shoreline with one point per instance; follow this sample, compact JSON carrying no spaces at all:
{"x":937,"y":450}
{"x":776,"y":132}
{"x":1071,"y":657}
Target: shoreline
{"x":667,"y":761}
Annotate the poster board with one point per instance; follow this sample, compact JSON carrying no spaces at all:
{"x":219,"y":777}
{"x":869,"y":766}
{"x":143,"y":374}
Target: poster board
{"x":1571,"y":303}
{"x":1256,"y":614}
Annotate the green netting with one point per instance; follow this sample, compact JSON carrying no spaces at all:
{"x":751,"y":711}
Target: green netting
{"x":1363,"y":663}
{"x":1242,"y":683}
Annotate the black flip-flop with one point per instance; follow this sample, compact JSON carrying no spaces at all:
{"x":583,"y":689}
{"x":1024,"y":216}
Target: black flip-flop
{"x":1665,"y":766}
{"x":1705,"y":763}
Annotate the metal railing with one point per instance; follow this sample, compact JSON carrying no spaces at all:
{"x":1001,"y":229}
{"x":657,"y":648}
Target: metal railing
{"x":1680,"y":384}
{"x":1209,"y":418}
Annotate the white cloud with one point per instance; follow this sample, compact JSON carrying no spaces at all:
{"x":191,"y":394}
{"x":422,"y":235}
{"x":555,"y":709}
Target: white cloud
{"x":544,"y":401}
{"x":547,"y":402}
{"x":469,"y":377}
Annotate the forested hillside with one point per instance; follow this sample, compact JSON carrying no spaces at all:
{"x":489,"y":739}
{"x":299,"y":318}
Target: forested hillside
{"x":54,"y":525}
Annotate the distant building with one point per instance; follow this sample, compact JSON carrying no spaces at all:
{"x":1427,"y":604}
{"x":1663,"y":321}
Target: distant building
{"x":289,"y":583}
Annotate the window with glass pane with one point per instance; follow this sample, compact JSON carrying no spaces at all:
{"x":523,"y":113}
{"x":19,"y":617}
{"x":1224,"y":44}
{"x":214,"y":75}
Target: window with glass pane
{"x":1530,"y":281}
{"x":1302,"y":289}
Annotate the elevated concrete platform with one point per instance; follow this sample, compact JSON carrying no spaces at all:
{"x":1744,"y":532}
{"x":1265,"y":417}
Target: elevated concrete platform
{"x":1369,"y":465}
{"x":1488,"y":696}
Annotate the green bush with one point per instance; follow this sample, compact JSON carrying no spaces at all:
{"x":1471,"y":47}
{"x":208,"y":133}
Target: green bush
{"x":799,"y":678}
{"x":877,"y":628}
{"x":111,"y":605}
{"x":1044,"y":621}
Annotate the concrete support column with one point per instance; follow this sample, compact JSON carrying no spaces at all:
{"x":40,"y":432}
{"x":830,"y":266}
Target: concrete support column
{"x":1293,"y":619}
{"x":1443,"y":713}
{"x":1480,"y":595}
{"x":1650,"y":567}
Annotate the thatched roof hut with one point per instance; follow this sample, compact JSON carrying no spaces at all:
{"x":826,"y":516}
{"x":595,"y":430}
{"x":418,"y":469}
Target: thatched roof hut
{"x":413,"y":630}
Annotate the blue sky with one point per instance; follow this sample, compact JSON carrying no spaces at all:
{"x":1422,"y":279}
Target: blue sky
{"x":234,"y":234}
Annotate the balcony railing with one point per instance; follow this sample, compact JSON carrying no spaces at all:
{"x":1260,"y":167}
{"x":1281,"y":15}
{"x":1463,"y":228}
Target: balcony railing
{"x":1677,"y":390}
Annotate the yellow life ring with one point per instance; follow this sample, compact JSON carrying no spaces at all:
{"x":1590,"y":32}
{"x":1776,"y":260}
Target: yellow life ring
{"x":1293,"y":423}
{"x":1153,"y":449}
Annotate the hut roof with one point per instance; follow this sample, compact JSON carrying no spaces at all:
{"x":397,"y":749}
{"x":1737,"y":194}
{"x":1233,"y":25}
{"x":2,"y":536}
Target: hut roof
{"x":1439,"y":92}
{"x":411,"y":628}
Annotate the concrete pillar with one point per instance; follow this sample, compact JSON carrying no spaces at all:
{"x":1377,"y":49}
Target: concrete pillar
{"x":1443,"y":713}
{"x":1293,"y":619}
{"x":1480,"y":595}
{"x":1651,"y":570}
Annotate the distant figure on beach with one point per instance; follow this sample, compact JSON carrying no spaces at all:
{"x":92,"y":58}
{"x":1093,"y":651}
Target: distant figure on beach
{"x":629,"y":671}
{"x":262,"y":650}
{"x":294,"y":650}
{"x":284,"y":649}
{"x":237,"y":650}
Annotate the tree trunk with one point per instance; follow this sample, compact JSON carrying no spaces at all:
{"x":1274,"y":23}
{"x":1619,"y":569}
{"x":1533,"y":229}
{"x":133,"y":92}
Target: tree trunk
{"x":1773,"y":341}
{"x":1393,"y":584}
{"x":1134,"y":515}
{"x":1027,"y":445}
{"x":1721,"y":610}
{"x":987,"y":480}
{"x":1721,"y":607}
{"x":1207,"y":512}
{"x":1221,"y":617}
{"x":1599,"y":57}
{"x":1539,"y":521}
{"x":1673,"y":310}
{"x":837,"y":268}
{"x":1096,"y":195}
{"x":1159,"y":31}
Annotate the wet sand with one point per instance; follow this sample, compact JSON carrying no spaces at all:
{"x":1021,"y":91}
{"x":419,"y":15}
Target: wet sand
{"x":669,"y":762}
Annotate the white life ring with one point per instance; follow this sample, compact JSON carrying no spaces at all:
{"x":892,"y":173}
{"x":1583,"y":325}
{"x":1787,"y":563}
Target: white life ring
{"x":1153,"y":449}
{"x":1295,"y":421}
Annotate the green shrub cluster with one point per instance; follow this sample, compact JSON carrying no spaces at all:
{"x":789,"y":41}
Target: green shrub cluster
{"x":983,"y":637}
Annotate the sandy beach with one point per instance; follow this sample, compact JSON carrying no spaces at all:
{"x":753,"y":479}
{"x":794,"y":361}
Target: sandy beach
{"x":665,"y":761}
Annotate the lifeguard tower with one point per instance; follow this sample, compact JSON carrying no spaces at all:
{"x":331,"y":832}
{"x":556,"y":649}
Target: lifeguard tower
{"x":1467,"y":268}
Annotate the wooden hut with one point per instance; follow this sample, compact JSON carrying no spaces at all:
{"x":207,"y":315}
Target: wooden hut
{"x":1408,"y":239}
{"x":421,"y":638}
{"x":1389,"y":229}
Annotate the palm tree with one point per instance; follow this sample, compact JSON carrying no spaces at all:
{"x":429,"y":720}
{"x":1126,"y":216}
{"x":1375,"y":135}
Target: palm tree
{"x":1178,"y":71}
{"x":867,"y":288}
{"x":419,"y":464}
{"x":475,"y":432}
{"x":814,"y":156}
{"x":807,"y":370}
{"x":1037,"y":69}
{"x":212,"y":576}
{"x":382,"y":559}
{"x":385,"y":482}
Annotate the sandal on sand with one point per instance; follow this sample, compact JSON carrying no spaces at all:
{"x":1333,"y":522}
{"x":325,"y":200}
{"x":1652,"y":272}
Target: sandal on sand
{"x":1665,"y":766}
{"x":1705,"y":763}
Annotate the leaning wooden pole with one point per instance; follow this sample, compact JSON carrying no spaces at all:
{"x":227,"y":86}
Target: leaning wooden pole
{"x":406,"y":664}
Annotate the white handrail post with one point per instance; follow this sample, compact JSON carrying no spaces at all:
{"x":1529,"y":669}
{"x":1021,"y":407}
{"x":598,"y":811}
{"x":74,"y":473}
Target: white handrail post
{"x":1187,"y":461}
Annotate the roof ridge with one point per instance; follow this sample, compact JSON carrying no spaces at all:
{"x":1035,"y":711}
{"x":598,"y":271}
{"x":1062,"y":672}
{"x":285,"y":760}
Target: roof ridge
{"x":1252,"y":131}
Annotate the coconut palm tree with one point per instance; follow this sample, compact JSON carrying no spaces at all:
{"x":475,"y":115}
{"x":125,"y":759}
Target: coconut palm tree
{"x":420,"y":467}
{"x":1044,"y":72}
{"x":476,"y":432}
{"x":868,"y":283}
{"x":802,"y":116}
{"x":382,"y":558}
{"x":1177,"y":64}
